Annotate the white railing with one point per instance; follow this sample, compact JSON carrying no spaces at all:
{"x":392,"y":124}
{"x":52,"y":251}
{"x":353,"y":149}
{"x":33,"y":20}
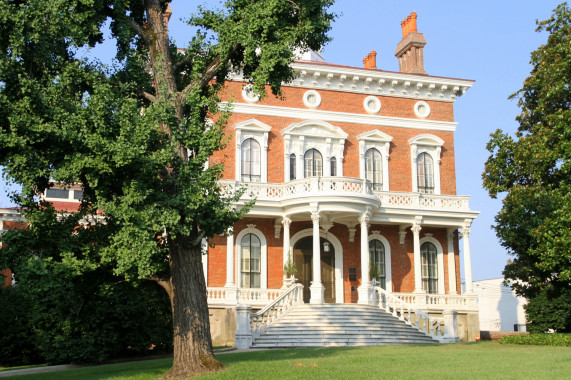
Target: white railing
{"x":262,"y":319}
{"x":439,"y":302}
{"x":249,"y":296}
{"x":410,"y":314}
{"x":342,"y":186}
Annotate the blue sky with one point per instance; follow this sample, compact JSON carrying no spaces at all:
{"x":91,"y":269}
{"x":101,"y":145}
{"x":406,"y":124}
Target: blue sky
{"x":487,"y":41}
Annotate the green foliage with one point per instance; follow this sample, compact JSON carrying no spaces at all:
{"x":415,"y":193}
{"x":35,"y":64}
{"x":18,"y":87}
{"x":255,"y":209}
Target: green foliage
{"x":374,"y":269}
{"x":538,"y":339}
{"x":545,"y":311}
{"x":289,"y":268}
{"x":533,"y":170}
{"x":17,"y":341}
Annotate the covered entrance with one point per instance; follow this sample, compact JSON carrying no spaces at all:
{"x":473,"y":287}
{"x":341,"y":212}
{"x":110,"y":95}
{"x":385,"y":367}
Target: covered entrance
{"x":302,"y":256}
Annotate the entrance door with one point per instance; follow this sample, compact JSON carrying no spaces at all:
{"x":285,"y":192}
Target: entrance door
{"x":302,"y":258}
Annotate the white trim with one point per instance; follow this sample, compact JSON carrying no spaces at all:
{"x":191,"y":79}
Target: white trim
{"x":328,"y":139}
{"x":440,"y":260}
{"x":426,"y":143}
{"x":388,"y":267}
{"x":380,"y":141}
{"x":422,"y":109}
{"x":372,"y":105}
{"x":249,"y":95}
{"x":252,"y":129}
{"x":312,"y":99}
{"x":342,"y":117}
{"x":250,"y":229}
{"x":338,"y":257}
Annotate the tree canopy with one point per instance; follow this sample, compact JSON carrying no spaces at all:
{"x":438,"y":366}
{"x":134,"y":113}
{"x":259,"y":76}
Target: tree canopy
{"x":135,"y":135}
{"x":533,"y":170}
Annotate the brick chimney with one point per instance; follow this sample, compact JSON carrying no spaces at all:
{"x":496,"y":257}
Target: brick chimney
{"x":167,"y":16}
{"x":409,"y":50}
{"x":370,"y":61}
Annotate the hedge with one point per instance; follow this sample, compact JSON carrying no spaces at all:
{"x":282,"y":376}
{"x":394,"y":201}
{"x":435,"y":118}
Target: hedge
{"x":539,"y":339}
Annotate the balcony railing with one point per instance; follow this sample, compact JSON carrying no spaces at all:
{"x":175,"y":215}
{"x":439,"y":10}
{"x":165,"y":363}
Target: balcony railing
{"x":342,"y":186}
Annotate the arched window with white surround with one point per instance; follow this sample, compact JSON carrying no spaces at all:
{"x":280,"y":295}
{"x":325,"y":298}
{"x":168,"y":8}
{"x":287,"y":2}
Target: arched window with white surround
{"x":425,"y":163}
{"x":251,"y":157}
{"x":374,"y":147}
{"x":380,"y":256}
{"x":252,"y":151}
{"x":374,"y":168}
{"x":432,"y":265}
{"x":312,"y":164}
{"x":425,"y":173}
{"x":317,"y":147}
{"x":250,"y":261}
{"x":251,"y":258}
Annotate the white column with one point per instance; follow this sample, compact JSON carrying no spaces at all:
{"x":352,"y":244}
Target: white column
{"x":231,"y":288}
{"x":286,"y":222}
{"x":417,"y":263}
{"x":451,"y":262}
{"x":316,"y":289}
{"x":339,"y":166}
{"x":230,"y":258}
{"x":366,"y":295}
{"x":467,"y":256}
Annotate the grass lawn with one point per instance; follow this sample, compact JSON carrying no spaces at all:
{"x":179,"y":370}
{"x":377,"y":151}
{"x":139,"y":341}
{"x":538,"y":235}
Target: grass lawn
{"x":483,"y":360}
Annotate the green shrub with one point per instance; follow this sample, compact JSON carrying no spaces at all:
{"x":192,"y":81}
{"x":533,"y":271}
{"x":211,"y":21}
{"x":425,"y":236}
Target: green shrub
{"x":548,"y":311}
{"x":17,"y":340}
{"x":538,"y":339}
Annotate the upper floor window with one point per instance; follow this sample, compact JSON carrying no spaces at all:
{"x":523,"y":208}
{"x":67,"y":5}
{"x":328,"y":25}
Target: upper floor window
{"x":374,"y":147}
{"x":313,"y":163}
{"x":377,"y":261}
{"x":251,"y":258}
{"x":333,"y":162}
{"x":425,"y":173}
{"x":429,"y":264}
{"x":292,"y":169}
{"x":374,"y":168}
{"x":250,"y":161}
{"x":425,"y":153}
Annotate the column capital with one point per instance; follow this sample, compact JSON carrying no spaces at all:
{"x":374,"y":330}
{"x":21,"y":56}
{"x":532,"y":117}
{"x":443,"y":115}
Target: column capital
{"x":315,"y":217}
{"x":365,"y":216}
{"x":415,"y":228}
{"x":286,"y":222}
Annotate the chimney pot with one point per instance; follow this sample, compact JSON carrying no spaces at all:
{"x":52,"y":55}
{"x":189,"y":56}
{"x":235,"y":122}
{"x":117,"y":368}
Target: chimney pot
{"x":410,"y":49}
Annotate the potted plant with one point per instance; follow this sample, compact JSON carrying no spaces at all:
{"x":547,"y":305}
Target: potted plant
{"x":374,"y":272}
{"x":290,"y":271}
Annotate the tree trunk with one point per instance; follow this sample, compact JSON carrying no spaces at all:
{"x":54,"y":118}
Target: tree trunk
{"x":192,"y":342}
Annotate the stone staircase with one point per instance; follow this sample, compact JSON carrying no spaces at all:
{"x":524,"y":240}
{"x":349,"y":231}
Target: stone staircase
{"x":307,"y":325}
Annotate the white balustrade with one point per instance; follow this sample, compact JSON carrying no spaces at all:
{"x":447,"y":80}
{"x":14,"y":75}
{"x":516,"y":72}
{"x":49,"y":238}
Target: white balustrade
{"x":439,"y":302}
{"x":319,"y":186}
{"x":289,"y":298}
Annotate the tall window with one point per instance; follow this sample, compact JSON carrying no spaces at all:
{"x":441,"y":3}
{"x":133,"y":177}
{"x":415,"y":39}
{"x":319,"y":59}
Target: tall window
{"x":425,"y":173}
{"x":251,"y":256}
{"x":313,"y":163}
{"x":250,"y":161}
{"x":333,"y":163}
{"x":377,"y":261}
{"x":292,"y":167}
{"x":374,"y":168}
{"x":429,"y":267}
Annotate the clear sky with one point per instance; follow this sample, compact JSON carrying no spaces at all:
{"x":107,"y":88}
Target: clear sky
{"x":487,"y":41}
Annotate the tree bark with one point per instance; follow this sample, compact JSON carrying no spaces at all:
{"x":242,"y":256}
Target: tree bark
{"x":193,"y":353}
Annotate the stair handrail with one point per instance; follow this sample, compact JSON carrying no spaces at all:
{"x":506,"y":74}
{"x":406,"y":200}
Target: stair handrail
{"x":432,"y":326}
{"x":262,"y":319}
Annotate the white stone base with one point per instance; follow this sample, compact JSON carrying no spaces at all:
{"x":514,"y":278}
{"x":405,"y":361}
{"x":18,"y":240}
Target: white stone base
{"x":366,"y":295}
{"x":317,"y":292}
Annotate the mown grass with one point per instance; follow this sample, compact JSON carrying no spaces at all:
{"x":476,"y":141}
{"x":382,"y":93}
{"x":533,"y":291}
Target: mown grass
{"x":483,"y":360}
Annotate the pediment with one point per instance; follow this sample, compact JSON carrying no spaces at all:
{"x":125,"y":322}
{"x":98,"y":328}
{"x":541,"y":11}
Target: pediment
{"x":312,"y":128}
{"x":375,"y":135}
{"x":427,"y":140}
{"x":252,"y":125}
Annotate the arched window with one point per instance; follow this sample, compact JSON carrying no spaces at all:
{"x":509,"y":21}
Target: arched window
{"x":429,"y":264}
{"x":251,"y":257}
{"x":377,"y":262}
{"x":250,"y":161}
{"x":292,"y":167}
{"x":374,"y":168}
{"x":313,"y":163}
{"x":425,"y":173}
{"x":333,"y":163}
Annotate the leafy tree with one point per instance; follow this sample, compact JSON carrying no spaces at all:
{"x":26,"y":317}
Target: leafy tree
{"x":135,"y":135}
{"x":533,"y":170}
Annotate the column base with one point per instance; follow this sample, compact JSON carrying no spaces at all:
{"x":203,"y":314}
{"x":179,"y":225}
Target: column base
{"x":366,"y":295}
{"x":316,"y":291}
